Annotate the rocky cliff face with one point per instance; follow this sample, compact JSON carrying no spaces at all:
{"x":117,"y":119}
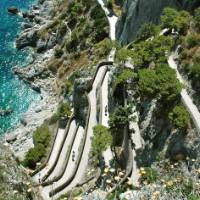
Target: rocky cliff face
{"x":15,"y":183}
{"x":137,"y":12}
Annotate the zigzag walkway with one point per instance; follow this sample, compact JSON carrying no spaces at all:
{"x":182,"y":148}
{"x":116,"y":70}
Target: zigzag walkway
{"x":71,"y":164}
{"x":58,"y":170}
{"x":61,"y":133}
{"x":82,"y":163}
{"x":61,"y":173}
{"x":59,"y":150}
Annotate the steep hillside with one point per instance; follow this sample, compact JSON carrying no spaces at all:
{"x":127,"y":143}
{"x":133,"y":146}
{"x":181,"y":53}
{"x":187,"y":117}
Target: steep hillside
{"x":15,"y":184}
{"x":127,"y":125}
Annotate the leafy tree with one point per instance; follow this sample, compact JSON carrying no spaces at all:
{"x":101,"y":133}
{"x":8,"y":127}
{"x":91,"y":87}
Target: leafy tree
{"x":34,"y":155}
{"x":147,"y":31}
{"x":195,"y":71}
{"x":63,"y":111}
{"x":104,"y":47}
{"x":125,"y":75}
{"x":41,"y":139}
{"x":151,"y":51}
{"x":122,"y":54}
{"x":147,"y":82}
{"x":101,"y":140}
{"x":197,"y":17}
{"x":167,"y":83}
{"x":179,"y":117}
{"x":192,"y":40}
{"x":68,"y":87}
{"x":173,"y":19}
{"x":145,"y":52}
{"x":41,"y":136}
{"x":161,"y":81}
{"x":119,"y":117}
{"x":109,"y":4}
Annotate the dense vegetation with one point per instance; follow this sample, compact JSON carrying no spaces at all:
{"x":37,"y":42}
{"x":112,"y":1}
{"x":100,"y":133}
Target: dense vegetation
{"x":63,"y":111}
{"x":179,"y":117}
{"x":41,"y":139}
{"x":101,"y":140}
{"x":190,"y":56}
{"x":161,"y":81}
{"x":79,"y":25}
{"x":177,"y":20}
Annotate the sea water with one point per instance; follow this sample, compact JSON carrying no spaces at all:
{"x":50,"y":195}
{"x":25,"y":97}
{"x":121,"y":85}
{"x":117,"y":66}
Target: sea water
{"x":14,"y":94}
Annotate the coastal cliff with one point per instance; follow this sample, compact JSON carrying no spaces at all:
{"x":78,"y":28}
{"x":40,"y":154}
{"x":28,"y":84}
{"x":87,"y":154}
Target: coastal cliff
{"x":131,"y":102}
{"x":137,"y":12}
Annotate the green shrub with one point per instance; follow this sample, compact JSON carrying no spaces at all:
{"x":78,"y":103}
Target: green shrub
{"x":125,"y":75}
{"x":192,"y":40}
{"x":42,"y":136}
{"x":41,"y":139}
{"x":109,"y":4}
{"x":197,"y":17}
{"x":54,"y":119}
{"x":101,"y":140}
{"x":104,"y":47}
{"x":161,"y":81}
{"x":68,"y":87}
{"x":122,"y":54}
{"x":34,"y":155}
{"x":147,"y":31}
{"x":119,"y":117}
{"x":167,"y":83}
{"x":173,"y":19}
{"x":193,"y":197}
{"x":147,"y":82}
{"x":146,"y":52}
{"x":179,"y":117}
{"x":63,"y":111}
{"x":195,"y":71}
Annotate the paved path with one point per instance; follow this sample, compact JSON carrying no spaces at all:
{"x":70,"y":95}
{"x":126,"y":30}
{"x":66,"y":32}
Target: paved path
{"x":57,"y":145}
{"x":62,"y":157}
{"x":111,"y":56}
{"x":112,"y":24}
{"x":105,"y":116}
{"x":70,"y":166}
{"x":104,"y":90}
{"x":112,"y":20}
{"x":138,"y":144}
{"x":82,"y":169}
{"x":186,"y":99}
{"x":136,"y":137}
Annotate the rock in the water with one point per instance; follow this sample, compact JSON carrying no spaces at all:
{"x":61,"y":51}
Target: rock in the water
{"x":13,"y":10}
{"x":5,"y":112}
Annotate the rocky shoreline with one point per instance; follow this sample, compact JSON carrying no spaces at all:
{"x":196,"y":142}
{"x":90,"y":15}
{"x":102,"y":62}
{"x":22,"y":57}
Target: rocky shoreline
{"x":37,"y":76}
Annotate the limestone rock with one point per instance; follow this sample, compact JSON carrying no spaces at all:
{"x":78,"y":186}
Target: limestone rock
{"x":13,"y":10}
{"x":28,"y":38}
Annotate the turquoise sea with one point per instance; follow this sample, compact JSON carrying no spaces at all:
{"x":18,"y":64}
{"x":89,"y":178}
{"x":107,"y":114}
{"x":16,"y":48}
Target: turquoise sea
{"x":13,"y":92}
